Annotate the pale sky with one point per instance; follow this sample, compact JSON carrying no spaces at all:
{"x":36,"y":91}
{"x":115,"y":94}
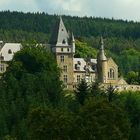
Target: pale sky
{"x":118,"y":9}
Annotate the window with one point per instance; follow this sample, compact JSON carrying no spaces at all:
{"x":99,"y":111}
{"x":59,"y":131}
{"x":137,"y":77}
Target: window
{"x":1,"y":67}
{"x":62,"y":58}
{"x":65,"y":78}
{"x":87,"y":79}
{"x":61,"y":49}
{"x":64,"y":41}
{"x":9,"y":51}
{"x":65,"y":68}
{"x":77,"y":67}
{"x":68,"y":49}
{"x":78,"y":62}
{"x":78,"y":78}
{"x":1,"y":58}
{"x":111,"y":73}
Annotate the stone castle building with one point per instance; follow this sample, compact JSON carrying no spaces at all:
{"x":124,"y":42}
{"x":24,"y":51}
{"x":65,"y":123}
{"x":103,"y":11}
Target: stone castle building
{"x":62,"y":44}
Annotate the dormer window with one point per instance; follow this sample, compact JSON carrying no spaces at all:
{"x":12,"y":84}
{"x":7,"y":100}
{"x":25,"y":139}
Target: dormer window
{"x":79,"y":63}
{"x":64,"y":41}
{"x":77,"y":67}
{"x":9,"y":51}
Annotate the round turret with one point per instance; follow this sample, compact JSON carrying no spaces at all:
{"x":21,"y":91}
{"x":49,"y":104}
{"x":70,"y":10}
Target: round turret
{"x":102,"y":64}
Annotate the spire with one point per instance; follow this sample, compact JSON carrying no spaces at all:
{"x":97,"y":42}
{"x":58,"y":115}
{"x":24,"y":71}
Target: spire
{"x":59,"y":35}
{"x":102,"y":43}
{"x":73,"y":43}
{"x":101,"y":54}
{"x":73,"y":40}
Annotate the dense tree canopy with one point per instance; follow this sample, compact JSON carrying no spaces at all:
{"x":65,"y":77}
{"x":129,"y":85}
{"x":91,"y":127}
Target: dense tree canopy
{"x":32,"y":79}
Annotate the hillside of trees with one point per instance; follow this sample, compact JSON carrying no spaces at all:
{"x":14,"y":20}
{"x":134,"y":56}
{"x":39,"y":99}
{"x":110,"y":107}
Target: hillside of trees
{"x":34,"y":106}
{"x":81,"y":27}
{"x":122,"y":38}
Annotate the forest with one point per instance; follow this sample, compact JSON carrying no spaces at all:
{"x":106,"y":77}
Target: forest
{"x":34,"y":105}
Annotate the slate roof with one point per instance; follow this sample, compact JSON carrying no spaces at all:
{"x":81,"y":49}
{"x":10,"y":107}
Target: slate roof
{"x":59,"y":35}
{"x":8,"y":50}
{"x":80,"y":65}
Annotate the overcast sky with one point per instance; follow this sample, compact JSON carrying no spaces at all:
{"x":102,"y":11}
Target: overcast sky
{"x":119,"y":9}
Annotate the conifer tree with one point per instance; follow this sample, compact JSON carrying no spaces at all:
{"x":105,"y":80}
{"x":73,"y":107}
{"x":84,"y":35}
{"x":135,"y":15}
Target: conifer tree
{"x":110,"y":93}
{"x":94,"y":89}
{"x":82,"y":91}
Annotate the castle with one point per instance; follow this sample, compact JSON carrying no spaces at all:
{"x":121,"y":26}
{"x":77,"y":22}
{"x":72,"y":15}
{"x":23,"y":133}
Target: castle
{"x":62,"y":45}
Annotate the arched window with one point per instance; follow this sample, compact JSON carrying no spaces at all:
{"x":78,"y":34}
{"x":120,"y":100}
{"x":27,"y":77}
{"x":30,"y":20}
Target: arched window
{"x":9,"y":51}
{"x":111,"y":73}
{"x":64,"y":41}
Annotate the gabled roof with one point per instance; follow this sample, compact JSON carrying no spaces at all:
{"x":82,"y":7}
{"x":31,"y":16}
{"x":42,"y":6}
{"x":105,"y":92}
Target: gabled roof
{"x":59,"y":35}
{"x":8,"y":50}
{"x":81,"y":63}
{"x":110,"y":59}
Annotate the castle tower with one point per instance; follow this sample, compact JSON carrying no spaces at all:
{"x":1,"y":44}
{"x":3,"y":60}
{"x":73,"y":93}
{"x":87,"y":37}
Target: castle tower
{"x":102,"y":64}
{"x":62,"y":45}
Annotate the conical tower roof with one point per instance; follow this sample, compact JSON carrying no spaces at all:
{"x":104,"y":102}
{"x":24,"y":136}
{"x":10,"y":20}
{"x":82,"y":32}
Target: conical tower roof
{"x":101,"y":54}
{"x":59,"y":35}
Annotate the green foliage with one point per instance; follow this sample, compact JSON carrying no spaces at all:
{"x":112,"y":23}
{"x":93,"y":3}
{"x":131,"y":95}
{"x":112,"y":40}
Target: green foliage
{"x":131,"y":102}
{"x":84,"y":51}
{"x":97,"y":119}
{"x":101,"y":120}
{"x":110,"y":93}
{"x":51,"y":124}
{"x":32,"y":79}
{"x":7,"y":137}
{"x":132,"y":77}
{"x":81,"y":26}
{"x":94,"y":89}
{"x":82,"y":91}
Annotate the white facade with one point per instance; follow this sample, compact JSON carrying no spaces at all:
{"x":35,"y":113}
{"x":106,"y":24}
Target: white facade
{"x":8,"y":50}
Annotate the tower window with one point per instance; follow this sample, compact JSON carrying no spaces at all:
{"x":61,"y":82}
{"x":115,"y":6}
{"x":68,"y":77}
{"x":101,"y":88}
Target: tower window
{"x":61,"y":49}
{"x":62,"y":58}
{"x":65,"y":68}
{"x":78,"y":78}
{"x":111,"y":73}
{"x":9,"y":51}
{"x":65,"y":78}
{"x":64,"y":41}
{"x":68,"y":49}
